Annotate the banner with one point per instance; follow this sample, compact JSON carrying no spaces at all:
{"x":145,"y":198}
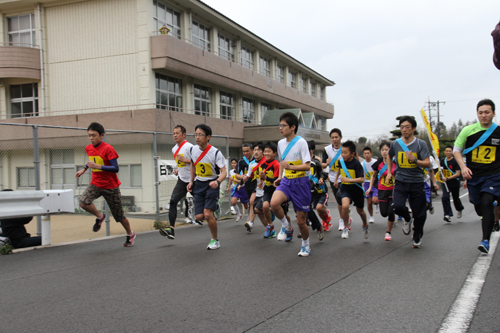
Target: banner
{"x":166,"y":170}
{"x":432,"y":137}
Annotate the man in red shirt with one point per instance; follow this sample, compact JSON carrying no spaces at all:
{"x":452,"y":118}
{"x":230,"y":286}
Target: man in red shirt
{"x":104,"y":165}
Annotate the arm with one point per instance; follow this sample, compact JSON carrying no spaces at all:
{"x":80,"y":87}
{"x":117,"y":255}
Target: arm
{"x":109,"y":168}
{"x":372,"y":181}
{"x":215,"y":183}
{"x":457,"y":153}
{"x":193,"y":175}
{"x":425,"y":163}
{"x":433,"y":179}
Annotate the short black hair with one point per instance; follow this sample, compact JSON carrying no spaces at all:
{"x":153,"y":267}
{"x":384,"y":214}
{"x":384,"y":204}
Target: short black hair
{"x":247,"y":145}
{"x":234,"y":159}
{"x":486,"y":102}
{"x":205,"y":128}
{"x":182,"y":128}
{"x":448,"y":146}
{"x":96,"y":127}
{"x":259,"y":145}
{"x":384,"y":143}
{"x":311,"y":144}
{"x":271,"y":145}
{"x":409,"y":119}
{"x":367,"y":148}
{"x":291,"y":119}
{"x":336,"y":130}
{"x":351,"y":145}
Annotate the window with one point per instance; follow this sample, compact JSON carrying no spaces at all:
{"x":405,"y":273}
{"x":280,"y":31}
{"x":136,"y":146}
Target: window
{"x":246,"y":58}
{"x":26,"y":177}
{"x":84,"y":179}
{"x":226,"y":49}
{"x":201,"y":36}
{"x":321,"y":122}
{"x":304,"y":85}
{"x":313,"y":88}
{"x":226,"y":105}
{"x":130,"y":175}
{"x":248,"y":110}
{"x":165,"y":15}
{"x":263,"y":109}
{"x":62,"y":168}
{"x":265,"y":66}
{"x":292,"y":79}
{"x":168,"y":92}
{"x":202,"y":100}
{"x":322,"y":92}
{"x":24,"y":100}
{"x":21,"y":30}
{"x":280,"y":73}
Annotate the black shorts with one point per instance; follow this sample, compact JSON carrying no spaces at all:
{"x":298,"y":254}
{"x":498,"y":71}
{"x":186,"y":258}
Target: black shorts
{"x":354,"y":194}
{"x":258,"y":203}
{"x":268,"y":193}
{"x":384,"y":195}
{"x":250,"y":187}
{"x":204,"y":196}
{"x":319,"y":198}
{"x":337,"y":197}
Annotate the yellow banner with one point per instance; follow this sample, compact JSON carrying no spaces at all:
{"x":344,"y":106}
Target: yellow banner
{"x":433,"y":137}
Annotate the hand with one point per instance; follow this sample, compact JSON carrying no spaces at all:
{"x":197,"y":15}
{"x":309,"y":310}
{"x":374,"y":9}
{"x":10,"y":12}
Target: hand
{"x":285,"y":165}
{"x":176,"y":172}
{"x":228,"y":190}
{"x":262,"y":175}
{"x":239,"y":187}
{"x":328,"y":161}
{"x":465,"y":185}
{"x":189,"y":187}
{"x":368,"y":191}
{"x":321,"y":181}
{"x":182,"y":159}
{"x":388,"y":176}
{"x":466,"y":173}
{"x":245,"y":178}
{"x":79,"y":173}
{"x":410,"y":154}
{"x":214,"y":184}
{"x":436,"y":187}
{"x":336,"y":184}
{"x":93,"y":165}
{"x":277,"y":182}
{"x":445,"y":179}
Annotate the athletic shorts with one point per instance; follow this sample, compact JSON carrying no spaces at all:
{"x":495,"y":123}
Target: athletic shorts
{"x":240,"y":194}
{"x":298,"y":191}
{"x":337,"y":197}
{"x":204,"y":196}
{"x":384,"y":195}
{"x":268,"y":193}
{"x":319,"y":198}
{"x":250,"y":187}
{"x":112,"y":196}
{"x":258,"y":203}
{"x":354,"y":194}
{"x":374,"y":191}
{"x":478,"y":185}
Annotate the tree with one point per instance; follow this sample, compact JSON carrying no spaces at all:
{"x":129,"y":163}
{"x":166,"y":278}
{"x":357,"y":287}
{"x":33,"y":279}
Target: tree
{"x":362,"y":140}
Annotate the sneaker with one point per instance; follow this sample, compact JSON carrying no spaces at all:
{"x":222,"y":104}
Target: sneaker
{"x":130,"y":240}
{"x":371,"y":220}
{"x":217,"y":210}
{"x":431,"y":210}
{"x":282,"y":234}
{"x":289,"y":234}
{"x":167,"y":232}
{"x":273,"y":234}
{"x":213,"y":245}
{"x":459,"y":214}
{"x":484,"y":246}
{"x":196,"y":221}
{"x":269,"y":231}
{"x":249,"y":226}
{"x":305,"y":251}
{"x":407,"y":226}
{"x":328,"y":216}
{"x":98,"y":223}
{"x":341,"y":225}
{"x":496,"y":226}
{"x":345,"y":233}
{"x":400,"y":218}
{"x":321,"y":234}
{"x":326,"y":226}
{"x":417,"y":244}
{"x":366,"y":232}
{"x":188,"y":220}
{"x":388,"y":236}
{"x":447,"y":218}
{"x":376,"y":209}
{"x":238,"y":218}
{"x":350,"y":222}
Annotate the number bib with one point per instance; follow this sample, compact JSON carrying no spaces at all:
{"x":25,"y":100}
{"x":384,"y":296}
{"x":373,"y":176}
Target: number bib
{"x":179,"y":163}
{"x":97,"y":160}
{"x":447,"y":173}
{"x":293,"y":173}
{"x":404,"y":162}
{"x":269,"y":174}
{"x":235,"y":180}
{"x":204,"y":170}
{"x":352,"y":173}
{"x":369,"y":174}
{"x":383,"y":181}
{"x":484,"y":154}
{"x":335,"y":167}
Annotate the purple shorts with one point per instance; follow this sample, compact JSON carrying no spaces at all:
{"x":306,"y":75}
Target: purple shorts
{"x":241,"y":195}
{"x":374,"y":191}
{"x":298,"y":191}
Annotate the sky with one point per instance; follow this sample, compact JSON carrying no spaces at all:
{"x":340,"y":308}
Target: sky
{"x":387,"y":58}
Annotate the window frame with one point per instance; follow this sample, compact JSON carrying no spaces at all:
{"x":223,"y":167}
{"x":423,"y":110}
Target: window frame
{"x":251,"y":111}
{"x":227,"y":54}
{"x":265,"y":70}
{"x":227,"y":106}
{"x":202,"y":101}
{"x":22,"y":100}
{"x":18,"y":177}
{"x":204,"y":42}
{"x":292,"y":79}
{"x":178,"y":96}
{"x":159,"y":22}
{"x":247,"y":63}
{"x":280,"y":73}
{"x":31,"y":30}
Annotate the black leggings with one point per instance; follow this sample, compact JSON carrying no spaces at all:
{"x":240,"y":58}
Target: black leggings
{"x":386,"y":209}
{"x":486,"y":209}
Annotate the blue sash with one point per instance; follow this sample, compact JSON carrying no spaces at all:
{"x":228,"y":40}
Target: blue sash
{"x":290,"y":145}
{"x":335,"y":158}
{"x":383,"y":170}
{"x":366,"y":171}
{"x":246,"y":161}
{"x":316,"y":180}
{"x":342,"y":163}
{"x":446,"y":163}
{"x":402,"y":144}
{"x":483,"y":138}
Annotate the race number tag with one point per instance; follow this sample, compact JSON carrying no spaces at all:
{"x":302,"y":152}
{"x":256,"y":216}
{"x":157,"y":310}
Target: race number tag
{"x":369,"y":176}
{"x":96,"y":160}
{"x":179,"y":163}
{"x":293,"y":173}
{"x":404,"y":162}
{"x":352,"y":173}
{"x":484,"y":154}
{"x":447,"y":173}
{"x":387,"y":183}
{"x":204,"y":170}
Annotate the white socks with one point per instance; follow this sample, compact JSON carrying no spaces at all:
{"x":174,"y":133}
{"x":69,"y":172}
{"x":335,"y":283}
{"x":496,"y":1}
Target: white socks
{"x":237,"y":209}
{"x":305,"y":242}
{"x":284,"y":223}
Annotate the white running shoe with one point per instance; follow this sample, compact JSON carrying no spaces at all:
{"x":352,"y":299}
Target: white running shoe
{"x":365,"y":232}
{"x":371,"y":220}
{"x":341,"y":225}
{"x":238,"y":218}
{"x":213,"y":245}
{"x":350,"y":222}
{"x":447,"y":218}
{"x":282,"y":234}
{"x":188,"y":221}
{"x":305,"y":251}
{"x":407,"y":226}
{"x":345,"y":233}
{"x":459,"y":214}
{"x":388,"y":236}
{"x":249,"y":226}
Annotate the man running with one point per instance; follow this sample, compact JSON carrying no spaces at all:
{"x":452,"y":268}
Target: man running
{"x":330,"y":157}
{"x":372,"y":196}
{"x":241,"y":170}
{"x":451,"y":184}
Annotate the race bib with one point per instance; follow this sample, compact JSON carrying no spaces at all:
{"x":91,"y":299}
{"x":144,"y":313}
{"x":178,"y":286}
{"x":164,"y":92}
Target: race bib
{"x":352,"y":173}
{"x":387,"y":183}
{"x":204,"y":170}
{"x":293,"y":173}
{"x":335,"y":167}
{"x":447,"y":173}
{"x":96,"y":160}
{"x":235,"y":180}
{"x":269,"y":175}
{"x":404,"y":162}
{"x":369,"y":175}
{"x":484,"y":154}
{"x":179,"y":163}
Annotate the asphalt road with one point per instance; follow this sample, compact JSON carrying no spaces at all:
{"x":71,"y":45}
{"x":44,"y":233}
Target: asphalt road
{"x":251,"y":283}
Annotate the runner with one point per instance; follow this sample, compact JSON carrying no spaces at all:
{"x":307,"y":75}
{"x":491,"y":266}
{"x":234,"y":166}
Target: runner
{"x":242,"y":169}
{"x":411,"y":155}
{"x":183,"y":171}
{"x":252,"y":177}
{"x":294,"y":184}
{"x":208,"y":171}
{"x":372,"y":198}
{"x":319,"y":193}
{"x":385,"y":187}
{"x":269,"y":172}
{"x":104,"y":164}
{"x":351,"y":176}
{"x":237,"y":193}
{"x":330,"y":157}
{"x":451,"y":184}
{"x":430,"y":183}
{"x":479,"y":143}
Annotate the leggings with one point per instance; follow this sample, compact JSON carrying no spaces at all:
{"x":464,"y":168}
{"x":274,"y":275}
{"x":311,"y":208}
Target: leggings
{"x":486,"y":209}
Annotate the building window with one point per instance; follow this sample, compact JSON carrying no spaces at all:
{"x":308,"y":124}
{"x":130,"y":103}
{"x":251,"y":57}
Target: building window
{"x":62,"y":168}
{"x":226,"y":105}
{"x":304,"y":85}
{"x":292,"y":79}
{"x":280,"y":73}
{"x":202,"y":100}
{"x":246,"y":58}
{"x":322,"y":92}
{"x":226,"y":49}
{"x":321,"y":123}
{"x":165,"y":15}
{"x":168,"y":93}
{"x":265,"y":66}
{"x":201,"y":36}
{"x":263,"y":109}
{"x":21,"y":30}
{"x":313,"y":88}
{"x":24,"y":100}
{"x":84,"y":179}
{"x":248,"y":110}
{"x":26,"y":177}
{"x":130,"y":175}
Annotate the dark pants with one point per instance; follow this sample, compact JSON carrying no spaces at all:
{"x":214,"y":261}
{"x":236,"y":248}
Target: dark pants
{"x":486,"y":209}
{"x":178,"y":193}
{"x":311,"y":215}
{"x":415,"y":193}
{"x":20,"y":243}
{"x":454,"y":189}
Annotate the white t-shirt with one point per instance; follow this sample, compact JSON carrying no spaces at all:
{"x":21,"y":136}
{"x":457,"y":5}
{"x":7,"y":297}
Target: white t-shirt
{"x":208,"y":168}
{"x":259,"y":192}
{"x":299,"y":154}
{"x":184,"y":169}
{"x":367,"y":168}
{"x":331,"y":153}
{"x":234,"y":181}
{"x":434,"y":165}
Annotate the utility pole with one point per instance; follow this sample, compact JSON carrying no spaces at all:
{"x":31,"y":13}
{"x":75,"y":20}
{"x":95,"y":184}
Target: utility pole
{"x":430,"y":107}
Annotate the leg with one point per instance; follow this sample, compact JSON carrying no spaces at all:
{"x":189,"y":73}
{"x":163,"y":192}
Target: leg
{"x":27,"y":242}
{"x":487,"y":209}
{"x":276,"y":201}
{"x":362,"y":214}
{"x":114,"y":199}
{"x":208,"y":215}
{"x":417,"y":204}
{"x":91,"y":193}
{"x":301,"y":222}
{"x":399,"y":201}
{"x":178,"y":193}
{"x":251,"y":213}
{"x":370,"y":206}
{"x":455,"y":192}
{"x":345,"y":209}
{"x":445,"y":200}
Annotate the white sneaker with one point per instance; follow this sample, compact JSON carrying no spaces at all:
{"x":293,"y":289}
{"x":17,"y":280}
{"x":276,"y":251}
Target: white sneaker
{"x":407,"y":226}
{"x":447,"y":218}
{"x":304,"y":251}
{"x":345,"y":233}
{"x":459,"y":214}
{"x":249,"y":226}
{"x":238,"y":218}
{"x":188,"y":220}
{"x":341,"y":225}
{"x":365,"y":232}
{"x":371,"y":220}
{"x":213,"y":245}
{"x":388,"y":236}
{"x":282,"y":234}
{"x":350,"y":222}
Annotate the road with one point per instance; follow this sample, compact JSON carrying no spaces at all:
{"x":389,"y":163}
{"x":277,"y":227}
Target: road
{"x":251,"y":284}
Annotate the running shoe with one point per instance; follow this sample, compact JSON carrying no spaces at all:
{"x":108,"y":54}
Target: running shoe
{"x":282,"y":234}
{"x":341,"y":225}
{"x":417,"y":243}
{"x":299,"y":235}
{"x":459,"y":214}
{"x":400,"y":218}
{"x":447,"y":218}
{"x":269,"y":231}
{"x":188,"y":220}
{"x":196,"y":221}
{"x":98,"y":223}
{"x":273,"y":234}
{"x":371,"y":220}
{"x":249,"y":226}
{"x":366,"y":232}
{"x":407,"y":226}
{"x":345,"y":233}
{"x":218,"y":209}
{"x":167,"y":232}
{"x":431,"y":210}
{"x":328,"y":216}
{"x":496,"y":226}
{"x":130,"y":240}
{"x":484,"y":246}
{"x":388,"y":236}
{"x":289,"y":234}
{"x":238,"y":218}
{"x":326,"y":226}
{"x":321,"y":234}
{"x":308,"y":222}
{"x":305,"y":251}
{"x":350,"y":222}
{"x":213,"y":245}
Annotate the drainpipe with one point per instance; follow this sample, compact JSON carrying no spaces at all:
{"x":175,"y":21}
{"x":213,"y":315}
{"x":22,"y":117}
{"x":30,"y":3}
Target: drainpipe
{"x":42,"y":72}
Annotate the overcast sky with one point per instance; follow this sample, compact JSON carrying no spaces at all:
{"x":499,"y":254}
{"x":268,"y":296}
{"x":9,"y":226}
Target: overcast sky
{"x":386,"y":57}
